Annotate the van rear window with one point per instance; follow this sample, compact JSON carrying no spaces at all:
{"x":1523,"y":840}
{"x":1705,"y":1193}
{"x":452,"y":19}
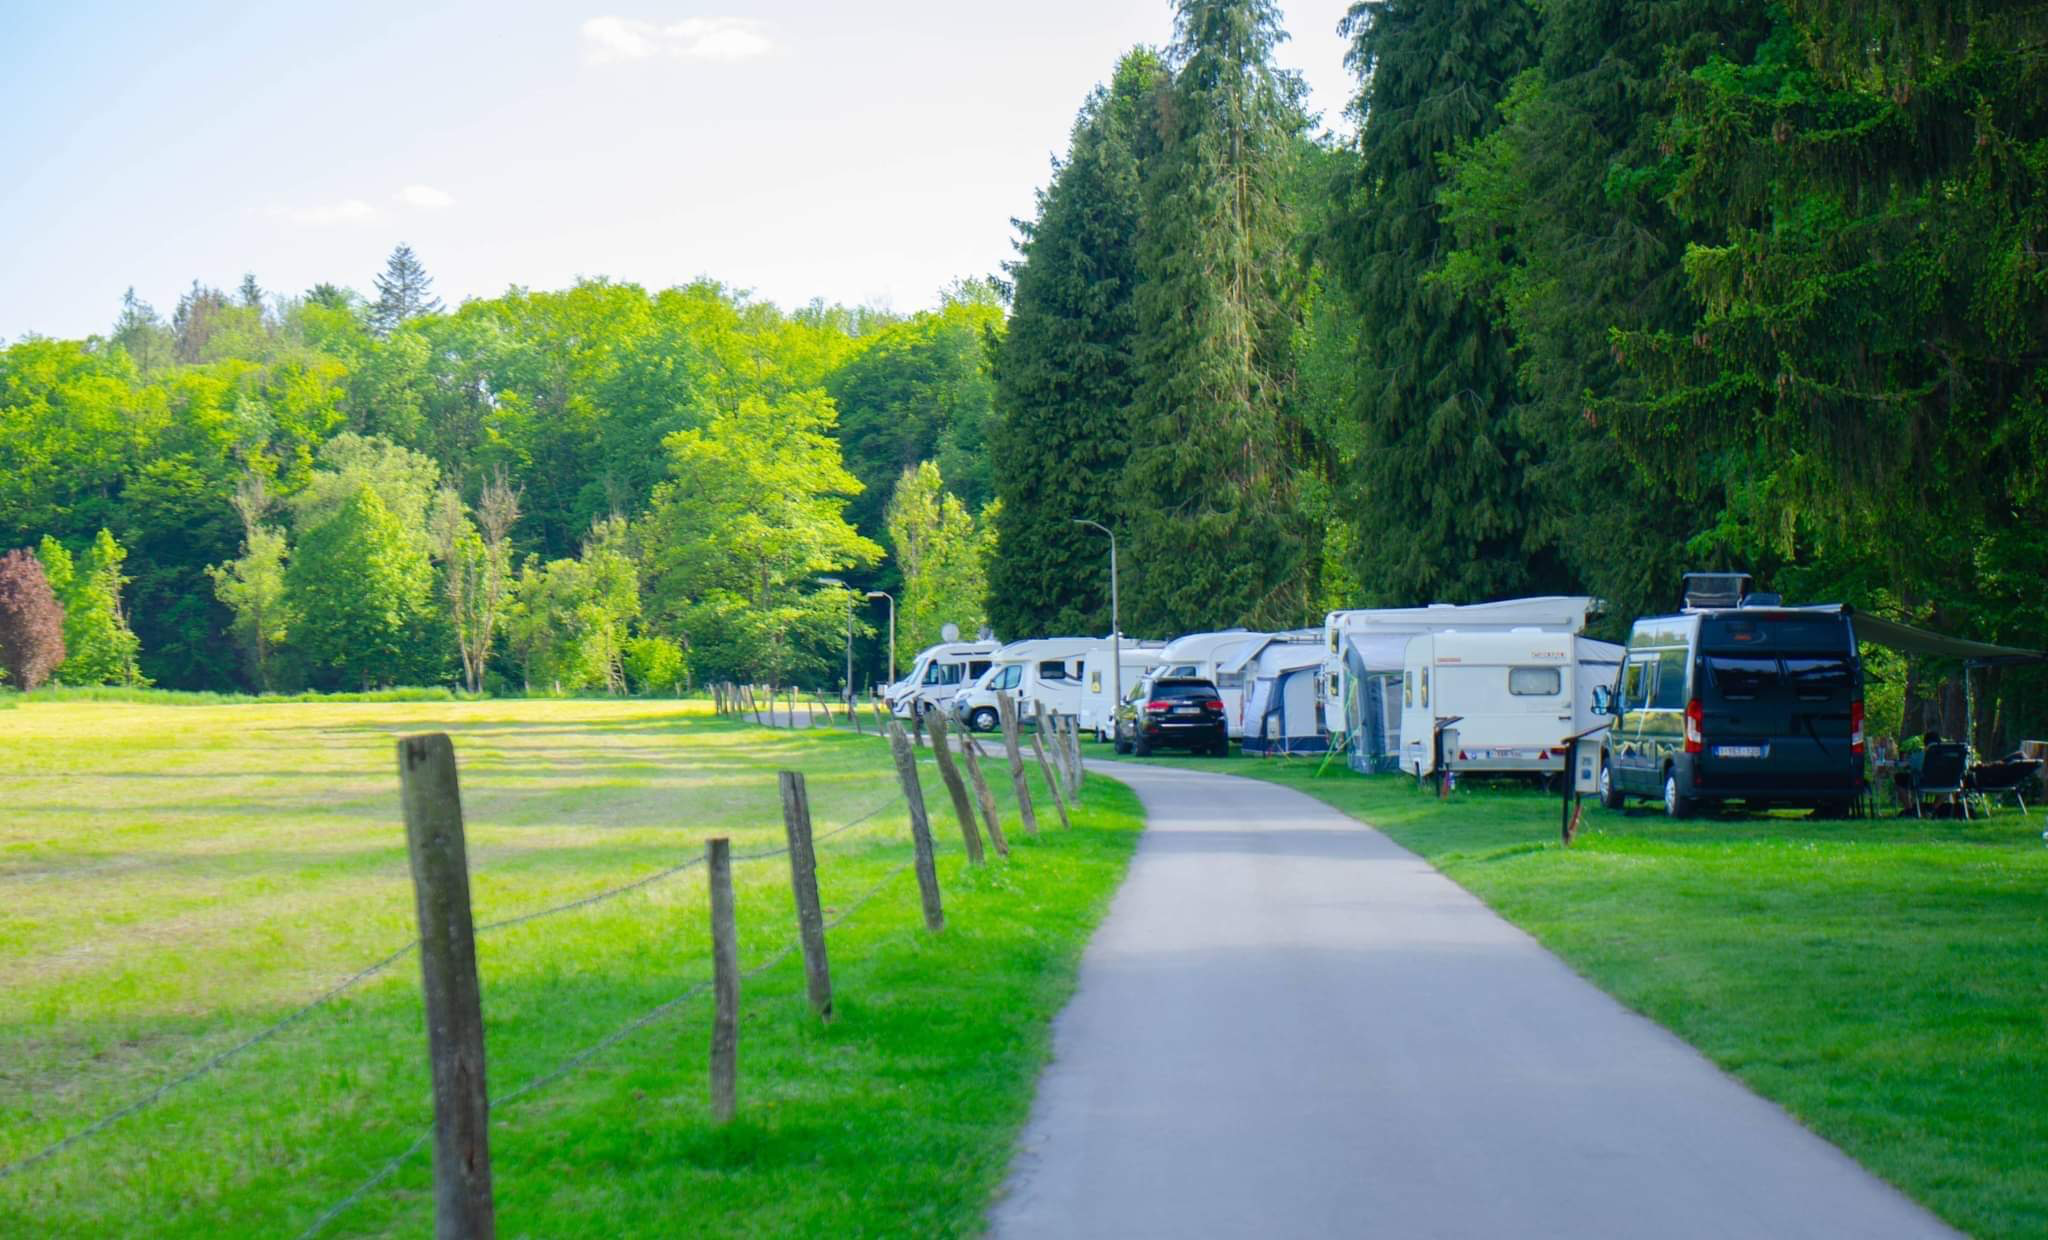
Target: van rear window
{"x":1775,"y":631}
{"x":1741,"y":678}
{"x":1811,"y":677}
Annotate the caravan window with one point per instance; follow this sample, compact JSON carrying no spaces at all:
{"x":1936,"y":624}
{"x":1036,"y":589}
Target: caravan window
{"x":1425,"y":688}
{"x":1052,"y":669}
{"x":975,"y":667}
{"x":1007,"y":678}
{"x":1407,"y":688}
{"x":1535,"y":681}
{"x":1230,"y":680}
{"x":943,"y":674}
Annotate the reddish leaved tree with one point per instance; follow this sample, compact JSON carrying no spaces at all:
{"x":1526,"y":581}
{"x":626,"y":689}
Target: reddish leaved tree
{"x":31,"y":621}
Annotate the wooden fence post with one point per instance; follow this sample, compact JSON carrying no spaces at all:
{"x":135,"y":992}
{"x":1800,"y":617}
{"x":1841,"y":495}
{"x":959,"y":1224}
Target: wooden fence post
{"x":1053,"y":778}
{"x":1074,"y":747}
{"x":803,"y":881}
{"x":432,"y":800}
{"x":1006,"y":709}
{"x":725,"y":982}
{"x":920,"y":828}
{"x":972,"y":753}
{"x":962,"y":809}
{"x":853,"y":710}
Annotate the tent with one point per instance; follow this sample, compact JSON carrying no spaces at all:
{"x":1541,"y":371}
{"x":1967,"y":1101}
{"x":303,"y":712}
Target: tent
{"x":1282,"y":713}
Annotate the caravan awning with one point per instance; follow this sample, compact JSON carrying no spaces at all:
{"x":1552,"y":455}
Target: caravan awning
{"x":1905,"y":637}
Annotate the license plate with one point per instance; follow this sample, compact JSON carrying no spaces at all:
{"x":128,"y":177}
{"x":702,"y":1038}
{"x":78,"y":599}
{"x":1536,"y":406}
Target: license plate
{"x":1187,"y":710}
{"x":1742,"y":751}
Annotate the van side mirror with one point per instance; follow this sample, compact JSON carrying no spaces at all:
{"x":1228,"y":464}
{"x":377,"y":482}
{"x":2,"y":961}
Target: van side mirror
{"x":1603,"y":700}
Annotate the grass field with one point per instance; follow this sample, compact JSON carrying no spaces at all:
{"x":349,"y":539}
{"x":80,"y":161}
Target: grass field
{"x":174,"y":878}
{"x":1884,"y":981}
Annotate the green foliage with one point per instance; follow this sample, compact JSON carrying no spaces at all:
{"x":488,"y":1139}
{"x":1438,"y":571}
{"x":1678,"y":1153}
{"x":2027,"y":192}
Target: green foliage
{"x":100,"y":649}
{"x":1065,"y":370}
{"x":735,"y":542}
{"x":360,"y":589}
{"x":568,"y":619}
{"x":1212,"y":492}
{"x":941,"y":550}
{"x":656,"y":665}
{"x":252,"y":586}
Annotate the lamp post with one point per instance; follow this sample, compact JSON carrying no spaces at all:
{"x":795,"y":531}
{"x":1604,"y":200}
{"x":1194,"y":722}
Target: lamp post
{"x":1116,"y":630}
{"x":875,"y":594}
{"x":834,"y":581}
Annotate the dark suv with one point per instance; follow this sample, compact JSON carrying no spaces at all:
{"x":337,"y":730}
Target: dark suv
{"x":1176,"y":713}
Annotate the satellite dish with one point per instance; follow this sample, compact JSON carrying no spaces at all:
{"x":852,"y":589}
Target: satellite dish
{"x":950,"y":633}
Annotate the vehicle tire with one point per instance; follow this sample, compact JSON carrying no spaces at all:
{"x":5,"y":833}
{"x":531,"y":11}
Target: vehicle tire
{"x":1141,"y":747}
{"x":1121,"y":745}
{"x":984,"y":719}
{"x":1610,"y":796}
{"x":1676,"y":804}
{"x":1222,"y":749}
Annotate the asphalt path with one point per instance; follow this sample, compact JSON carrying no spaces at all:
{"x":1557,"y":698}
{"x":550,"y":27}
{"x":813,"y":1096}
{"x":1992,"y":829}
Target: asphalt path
{"x":1290,"y":1026}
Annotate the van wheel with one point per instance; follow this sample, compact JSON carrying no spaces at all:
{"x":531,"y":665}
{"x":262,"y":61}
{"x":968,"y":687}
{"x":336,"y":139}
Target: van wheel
{"x":1676,"y":804}
{"x":983,"y":720}
{"x":1610,"y":796}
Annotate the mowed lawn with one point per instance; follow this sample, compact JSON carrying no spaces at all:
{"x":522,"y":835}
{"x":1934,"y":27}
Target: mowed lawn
{"x":1885,"y":981}
{"x":175,"y":878}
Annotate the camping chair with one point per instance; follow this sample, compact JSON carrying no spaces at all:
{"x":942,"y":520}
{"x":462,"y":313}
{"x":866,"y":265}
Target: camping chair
{"x":2006,"y":778}
{"x":1944,"y":772}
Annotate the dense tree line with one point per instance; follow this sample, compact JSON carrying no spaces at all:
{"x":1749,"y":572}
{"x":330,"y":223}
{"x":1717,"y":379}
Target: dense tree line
{"x":1597,"y":292}
{"x":600,"y":488}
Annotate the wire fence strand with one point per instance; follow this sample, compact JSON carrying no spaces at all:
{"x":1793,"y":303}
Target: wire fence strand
{"x":219,"y":1060}
{"x":596,"y":1048}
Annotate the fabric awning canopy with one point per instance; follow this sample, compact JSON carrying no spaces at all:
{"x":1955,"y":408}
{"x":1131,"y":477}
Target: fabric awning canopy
{"x":1906,"y":638}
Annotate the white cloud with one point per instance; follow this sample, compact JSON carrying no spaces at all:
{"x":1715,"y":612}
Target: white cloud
{"x":425,"y":197}
{"x":347,"y":211}
{"x":611,"y":40}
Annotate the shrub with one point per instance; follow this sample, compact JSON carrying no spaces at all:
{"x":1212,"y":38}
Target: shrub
{"x":31,"y":622}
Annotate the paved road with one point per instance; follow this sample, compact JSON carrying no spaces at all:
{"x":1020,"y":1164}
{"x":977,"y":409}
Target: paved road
{"x":1289,"y":1026}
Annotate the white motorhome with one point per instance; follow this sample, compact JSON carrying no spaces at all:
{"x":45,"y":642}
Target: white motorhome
{"x":936,"y":675}
{"x":1367,"y":633}
{"x":1096,"y":709}
{"x":1505,"y":701}
{"x":1043,"y":671}
{"x":1210,"y":657}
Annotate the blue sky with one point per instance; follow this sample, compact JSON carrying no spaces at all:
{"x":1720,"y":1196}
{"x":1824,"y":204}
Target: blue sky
{"x":864,"y":153}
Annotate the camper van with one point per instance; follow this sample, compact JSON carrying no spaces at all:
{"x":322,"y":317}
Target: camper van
{"x":1364,"y":653}
{"x":937,"y":675}
{"x":1737,"y":698}
{"x":1044,"y":671}
{"x":1206,"y":656}
{"x":1096,"y":707}
{"x":1515,"y":698}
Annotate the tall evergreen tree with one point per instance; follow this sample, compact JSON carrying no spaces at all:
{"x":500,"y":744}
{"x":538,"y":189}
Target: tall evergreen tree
{"x":141,"y":333}
{"x":1211,"y":491}
{"x":1564,"y":225}
{"x":1438,"y":495}
{"x":404,"y":291}
{"x":1064,"y":371}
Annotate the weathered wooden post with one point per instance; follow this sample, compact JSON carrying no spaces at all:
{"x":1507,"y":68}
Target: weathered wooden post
{"x":803,"y":881}
{"x":955,"y":789}
{"x":432,"y":800}
{"x":1006,"y":710}
{"x":972,"y":753}
{"x":1074,"y":748}
{"x":920,"y":827}
{"x":1053,"y":778}
{"x":725,"y":982}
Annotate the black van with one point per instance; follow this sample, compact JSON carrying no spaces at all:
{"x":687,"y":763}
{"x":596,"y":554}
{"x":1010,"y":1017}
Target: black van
{"x":1755,"y":702}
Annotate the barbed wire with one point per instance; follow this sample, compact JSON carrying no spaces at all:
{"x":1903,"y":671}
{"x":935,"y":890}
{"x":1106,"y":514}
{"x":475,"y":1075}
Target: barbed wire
{"x":368,"y":971}
{"x":596,"y":1048}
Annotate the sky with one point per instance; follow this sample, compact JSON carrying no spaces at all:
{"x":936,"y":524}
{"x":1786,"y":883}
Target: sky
{"x":867,"y":154}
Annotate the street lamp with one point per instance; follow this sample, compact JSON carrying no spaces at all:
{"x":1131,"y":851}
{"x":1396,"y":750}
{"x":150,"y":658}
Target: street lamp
{"x":1116,"y":649}
{"x":835,"y":582}
{"x":875,"y":594}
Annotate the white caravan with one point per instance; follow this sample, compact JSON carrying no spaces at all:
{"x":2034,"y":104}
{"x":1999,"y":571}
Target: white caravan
{"x":1514,"y":697}
{"x":936,"y":675}
{"x":1043,"y":671}
{"x":1210,"y":656}
{"x":1096,"y":709}
{"x":1366,"y":633}
{"x":1282,"y":709}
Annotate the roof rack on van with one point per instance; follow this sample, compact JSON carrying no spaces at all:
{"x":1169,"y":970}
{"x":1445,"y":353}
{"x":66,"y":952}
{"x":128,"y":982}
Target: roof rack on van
{"x":1712,"y":591}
